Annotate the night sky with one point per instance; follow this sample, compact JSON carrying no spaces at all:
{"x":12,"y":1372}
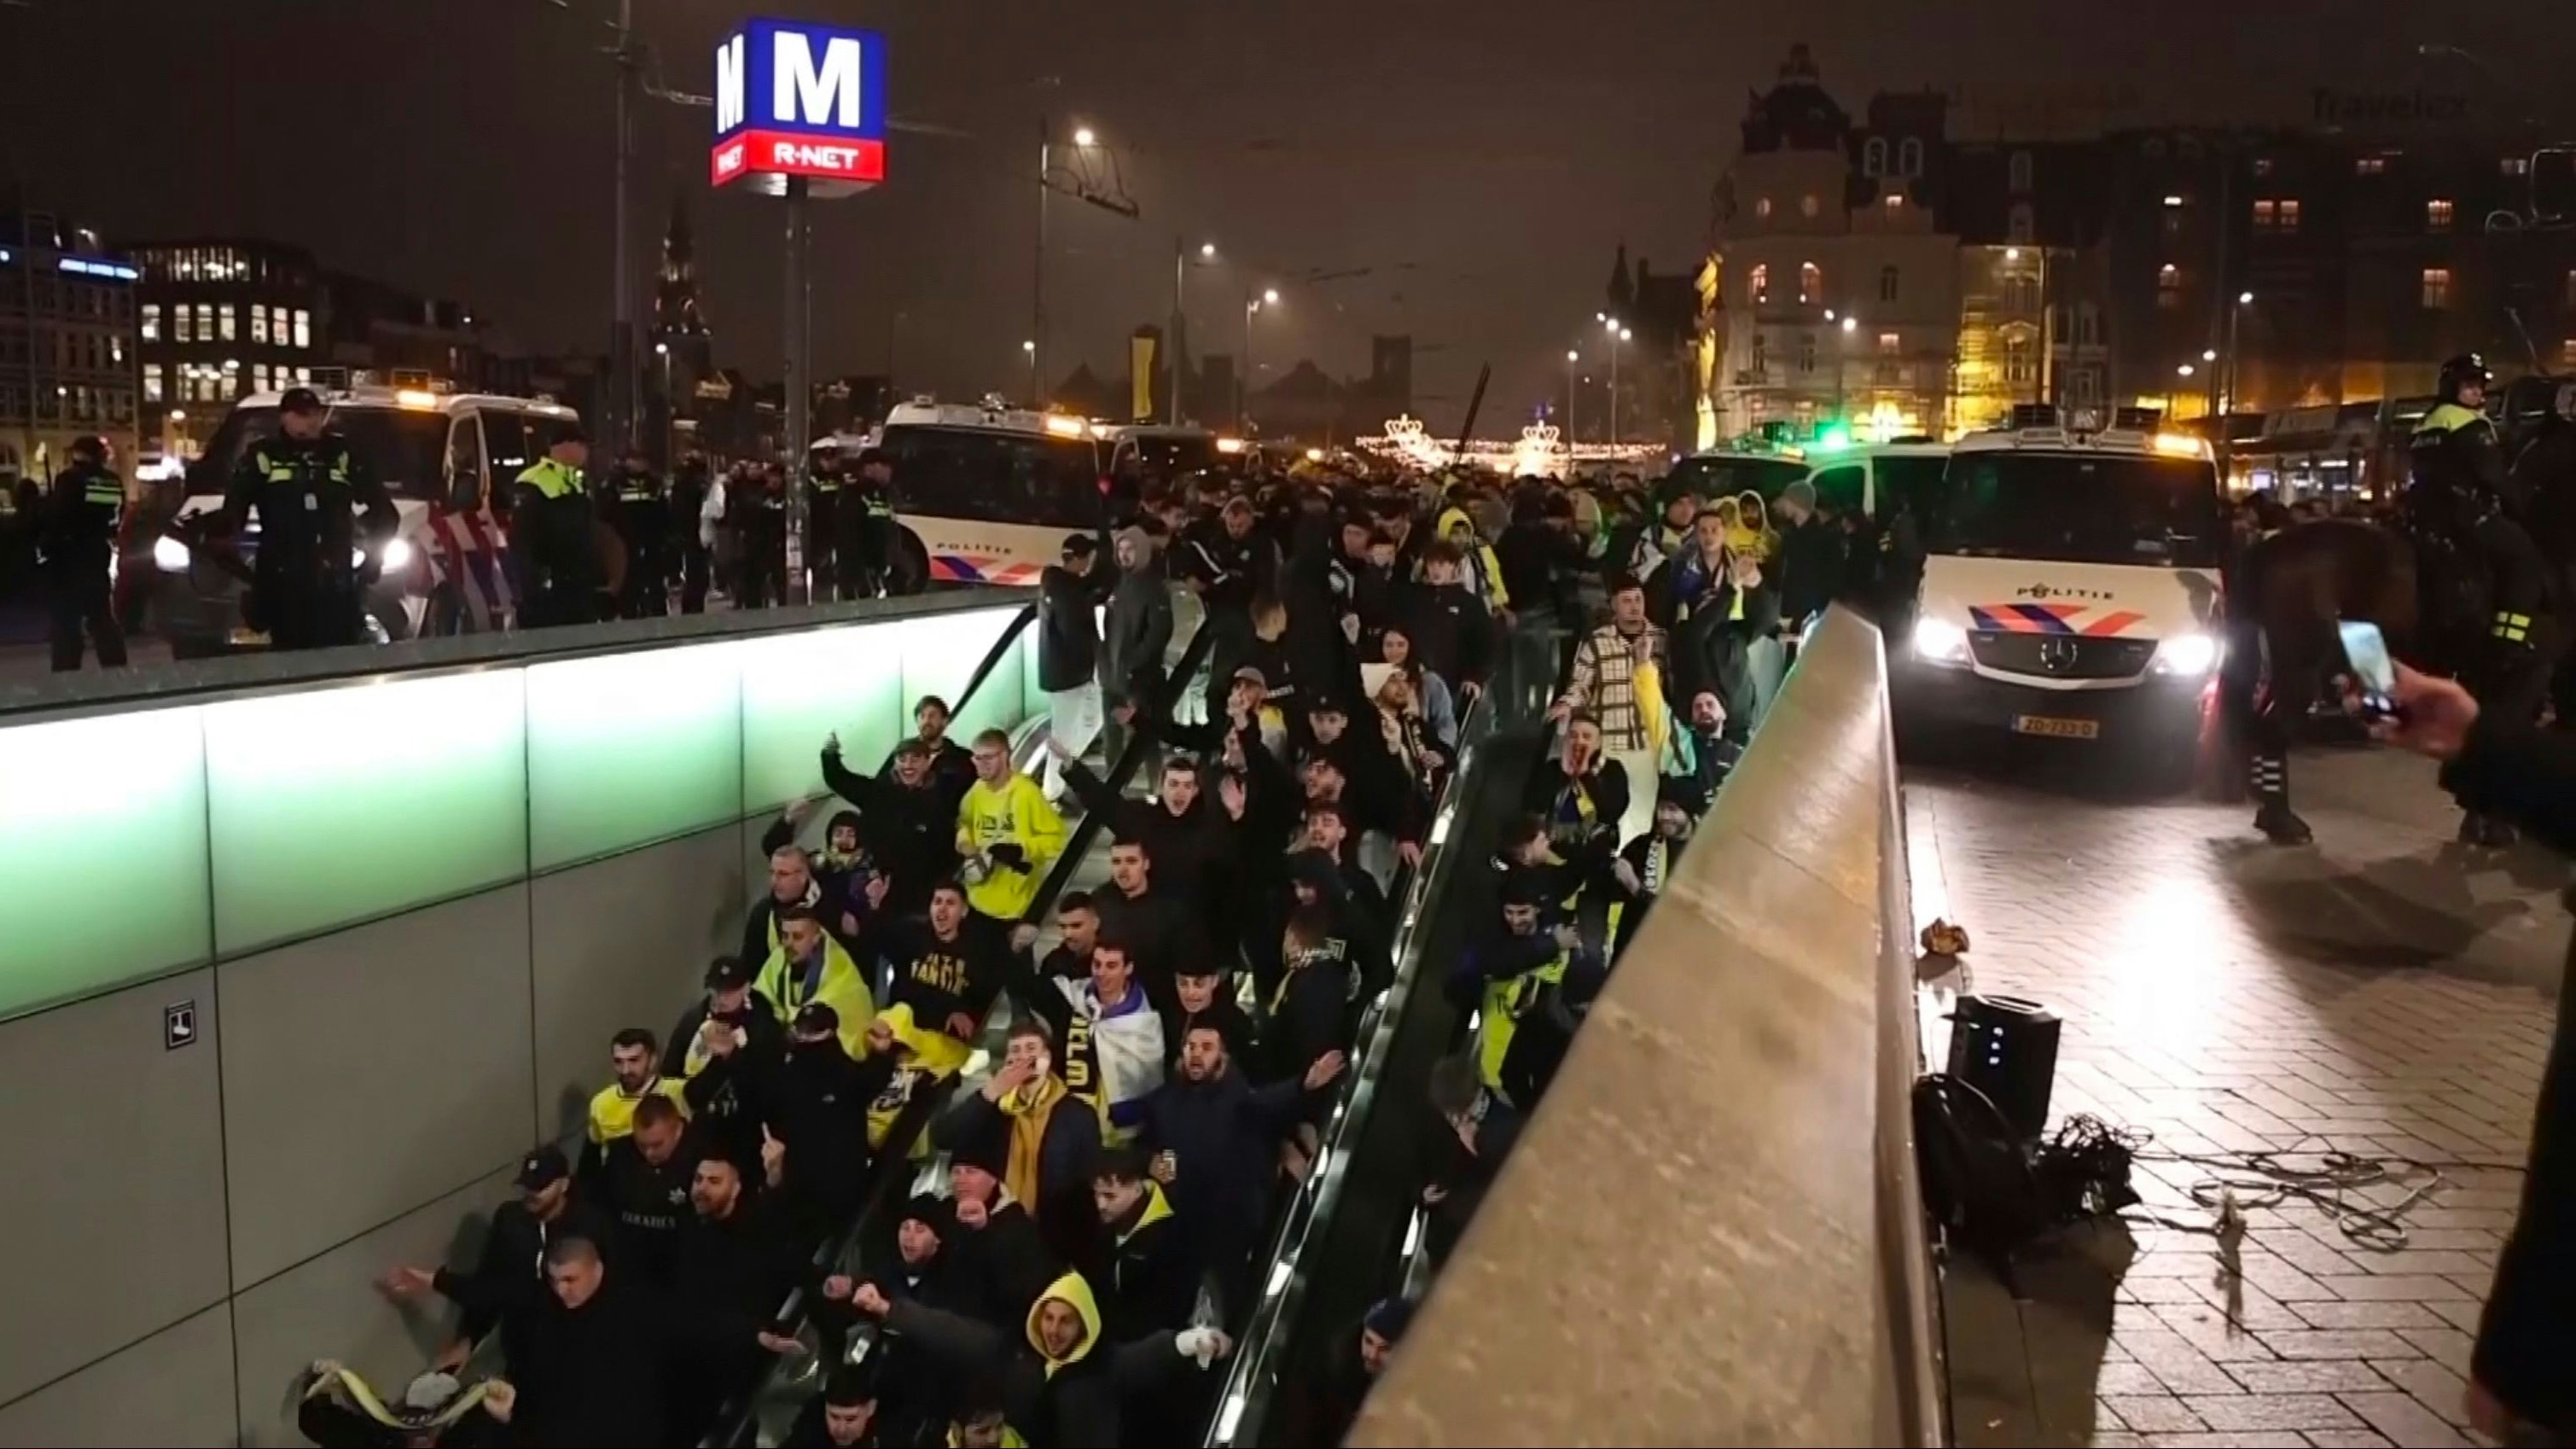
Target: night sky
{"x":1484,"y":157}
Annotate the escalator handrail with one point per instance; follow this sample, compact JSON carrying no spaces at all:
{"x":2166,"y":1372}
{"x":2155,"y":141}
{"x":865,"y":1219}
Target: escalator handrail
{"x":894,"y":1167}
{"x":1311,"y":1201}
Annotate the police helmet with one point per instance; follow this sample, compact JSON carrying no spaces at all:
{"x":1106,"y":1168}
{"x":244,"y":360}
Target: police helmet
{"x":89,"y":448}
{"x":2461,"y":373}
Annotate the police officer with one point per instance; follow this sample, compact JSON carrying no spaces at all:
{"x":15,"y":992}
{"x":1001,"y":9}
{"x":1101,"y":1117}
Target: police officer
{"x":552,"y":550}
{"x":78,"y":537}
{"x":866,"y":548}
{"x":823,"y":488}
{"x":639,"y":512}
{"x":2460,"y":497}
{"x":308,"y":487}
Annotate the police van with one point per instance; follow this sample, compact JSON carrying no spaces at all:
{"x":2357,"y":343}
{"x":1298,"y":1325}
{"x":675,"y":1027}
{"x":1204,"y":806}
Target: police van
{"x":986,"y":494}
{"x":2070,"y":592}
{"x":448,"y":460}
{"x":1876,"y":480}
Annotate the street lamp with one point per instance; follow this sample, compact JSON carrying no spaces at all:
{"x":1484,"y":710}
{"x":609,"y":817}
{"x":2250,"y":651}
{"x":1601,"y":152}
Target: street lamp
{"x":2209,"y":354}
{"x":1571,"y":358}
{"x":1618,"y":335}
{"x":1851,"y":324}
{"x":1180,"y":315}
{"x":1084,"y":137}
{"x":1037,"y":398}
{"x":2244,"y":299}
{"x":1243,"y":384}
{"x":2183,"y":371}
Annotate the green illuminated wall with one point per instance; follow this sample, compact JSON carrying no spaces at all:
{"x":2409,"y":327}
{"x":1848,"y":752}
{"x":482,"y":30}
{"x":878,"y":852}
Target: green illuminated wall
{"x":140,"y":843}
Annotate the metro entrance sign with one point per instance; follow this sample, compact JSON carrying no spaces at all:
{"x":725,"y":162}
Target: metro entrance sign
{"x":800,"y":99}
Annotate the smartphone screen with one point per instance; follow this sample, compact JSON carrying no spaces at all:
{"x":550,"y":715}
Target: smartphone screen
{"x":2366,"y":650}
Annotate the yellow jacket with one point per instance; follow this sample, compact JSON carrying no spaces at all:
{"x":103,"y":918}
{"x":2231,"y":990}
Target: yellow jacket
{"x":1014,"y":812}
{"x":612,"y":1112}
{"x":841,"y":986}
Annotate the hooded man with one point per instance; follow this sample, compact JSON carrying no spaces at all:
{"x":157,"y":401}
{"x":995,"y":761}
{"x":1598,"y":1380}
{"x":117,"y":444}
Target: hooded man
{"x":1138,"y":633}
{"x":1061,"y":1384}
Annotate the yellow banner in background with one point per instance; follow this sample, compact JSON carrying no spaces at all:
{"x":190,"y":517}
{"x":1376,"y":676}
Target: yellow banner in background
{"x":1140,"y":366}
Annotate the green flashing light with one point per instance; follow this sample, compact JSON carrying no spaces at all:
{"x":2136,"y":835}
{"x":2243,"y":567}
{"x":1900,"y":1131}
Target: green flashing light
{"x":1834,"y":439}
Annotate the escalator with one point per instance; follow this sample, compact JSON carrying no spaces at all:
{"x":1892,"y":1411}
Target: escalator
{"x":1352,"y":1233}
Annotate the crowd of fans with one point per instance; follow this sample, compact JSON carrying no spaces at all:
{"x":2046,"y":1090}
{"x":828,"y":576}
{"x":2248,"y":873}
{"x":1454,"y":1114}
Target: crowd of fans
{"x":1161,"y":1070}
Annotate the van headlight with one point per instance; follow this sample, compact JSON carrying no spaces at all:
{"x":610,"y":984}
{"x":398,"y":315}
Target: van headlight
{"x":170,"y":555}
{"x":2189,"y":656}
{"x":396,"y":555}
{"x":1938,"y":641}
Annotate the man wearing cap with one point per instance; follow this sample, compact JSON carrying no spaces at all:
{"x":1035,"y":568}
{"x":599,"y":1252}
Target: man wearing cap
{"x":866,"y":546}
{"x":308,"y":487}
{"x":507,"y":1284}
{"x":908,"y":821}
{"x":1069,"y":598}
{"x":552,"y":550}
{"x":713,"y":1050}
{"x":75,"y":538}
{"x":814,"y":1105}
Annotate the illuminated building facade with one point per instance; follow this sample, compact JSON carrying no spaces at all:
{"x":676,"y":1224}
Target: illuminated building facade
{"x":67,"y":343}
{"x":219,"y":318}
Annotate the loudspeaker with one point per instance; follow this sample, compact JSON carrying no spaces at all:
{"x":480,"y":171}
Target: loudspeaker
{"x":2006,"y":1047}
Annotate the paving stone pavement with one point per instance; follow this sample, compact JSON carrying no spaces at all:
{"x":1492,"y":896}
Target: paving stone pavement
{"x":2383,"y":993}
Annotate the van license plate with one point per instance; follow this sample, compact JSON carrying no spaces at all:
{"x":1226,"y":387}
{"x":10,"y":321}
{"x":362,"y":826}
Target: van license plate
{"x":2057,"y":729}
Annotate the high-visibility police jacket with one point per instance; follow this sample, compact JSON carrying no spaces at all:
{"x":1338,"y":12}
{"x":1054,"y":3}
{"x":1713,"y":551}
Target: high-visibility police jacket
{"x":551,"y":547}
{"x":81,"y":517}
{"x":308,"y":493}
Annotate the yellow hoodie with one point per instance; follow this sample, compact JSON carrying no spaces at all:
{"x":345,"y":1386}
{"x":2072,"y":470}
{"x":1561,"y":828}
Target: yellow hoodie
{"x":1014,"y":812}
{"x":1073,"y":1291}
{"x":842,"y":987}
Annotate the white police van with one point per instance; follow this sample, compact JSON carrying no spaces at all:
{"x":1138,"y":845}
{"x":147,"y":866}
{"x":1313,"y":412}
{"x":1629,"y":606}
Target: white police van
{"x":986,"y":494}
{"x":2070,"y":592}
{"x":448,"y":460}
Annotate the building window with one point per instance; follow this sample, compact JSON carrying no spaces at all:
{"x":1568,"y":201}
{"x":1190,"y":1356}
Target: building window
{"x":116,"y":352}
{"x":2020,"y":168}
{"x":1806,"y":352}
{"x":2571,"y":289}
{"x":1811,"y":284}
{"x":205,"y":320}
{"x":1807,"y":204}
{"x":2262,"y":165}
{"x":1757,"y":284}
{"x":227,"y":319}
{"x":2169,"y":286}
{"x":1890,"y":344}
{"x":303,"y":375}
{"x":1761,"y":357}
{"x":1909,"y":156}
{"x":1873,"y":157}
{"x":2515,"y":166}
{"x":152,"y":383}
{"x":1895,"y":202}
{"x":2567,"y":353}
{"x":259,"y":377}
{"x":2289,"y":213}
{"x":2369,"y":165}
{"x":2264,"y":212}
{"x":2017,"y":364}
{"x":1887,"y":283}
{"x":259,"y":321}
{"x":2437,"y":288}
{"x":1762,"y":207}
{"x":151,"y":321}
{"x":2020,"y":226}
{"x":179,"y":328}
{"x":2437,"y":214}
{"x":303,"y":328}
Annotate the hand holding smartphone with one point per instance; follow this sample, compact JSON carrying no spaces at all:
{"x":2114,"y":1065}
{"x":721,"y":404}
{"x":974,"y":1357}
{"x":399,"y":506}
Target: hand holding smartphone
{"x":2373,"y":670}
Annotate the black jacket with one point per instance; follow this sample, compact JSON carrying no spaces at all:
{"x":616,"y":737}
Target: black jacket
{"x":1224,"y":1139}
{"x":717,"y":1091}
{"x":1242,"y":1041}
{"x":598,"y":1374}
{"x":808,"y":1431}
{"x":1586,"y":844}
{"x":317,"y":499}
{"x":937,"y":978}
{"x":648,"y":1203}
{"x":1140,"y":628}
{"x":1227,"y":570}
{"x":1192,"y":852}
{"x":993,"y":1272}
{"x":1068,"y":626}
{"x":2527,"y":1336}
{"x":1540,"y":565}
{"x":1810,"y":568}
{"x":508,"y":1282}
{"x":1149,"y":1283}
{"x":815,"y":1099}
{"x":1159,"y":928}
{"x":728,"y":1278}
{"x":1453,"y":635}
{"x":77,"y":530}
{"x":1074,"y":1407}
{"x":912,"y":830}
{"x":1065,"y":1158}
{"x":1310,"y":1011}
{"x":952,"y":774}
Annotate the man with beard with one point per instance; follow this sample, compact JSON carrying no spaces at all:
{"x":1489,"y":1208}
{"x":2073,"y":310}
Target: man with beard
{"x":730,"y":1270}
{"x":907,"y":817}
{"x":1212,"y":1140}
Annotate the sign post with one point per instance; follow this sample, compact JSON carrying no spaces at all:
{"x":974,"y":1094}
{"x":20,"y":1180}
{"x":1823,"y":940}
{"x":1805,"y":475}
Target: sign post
{"x":800,"y":113}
